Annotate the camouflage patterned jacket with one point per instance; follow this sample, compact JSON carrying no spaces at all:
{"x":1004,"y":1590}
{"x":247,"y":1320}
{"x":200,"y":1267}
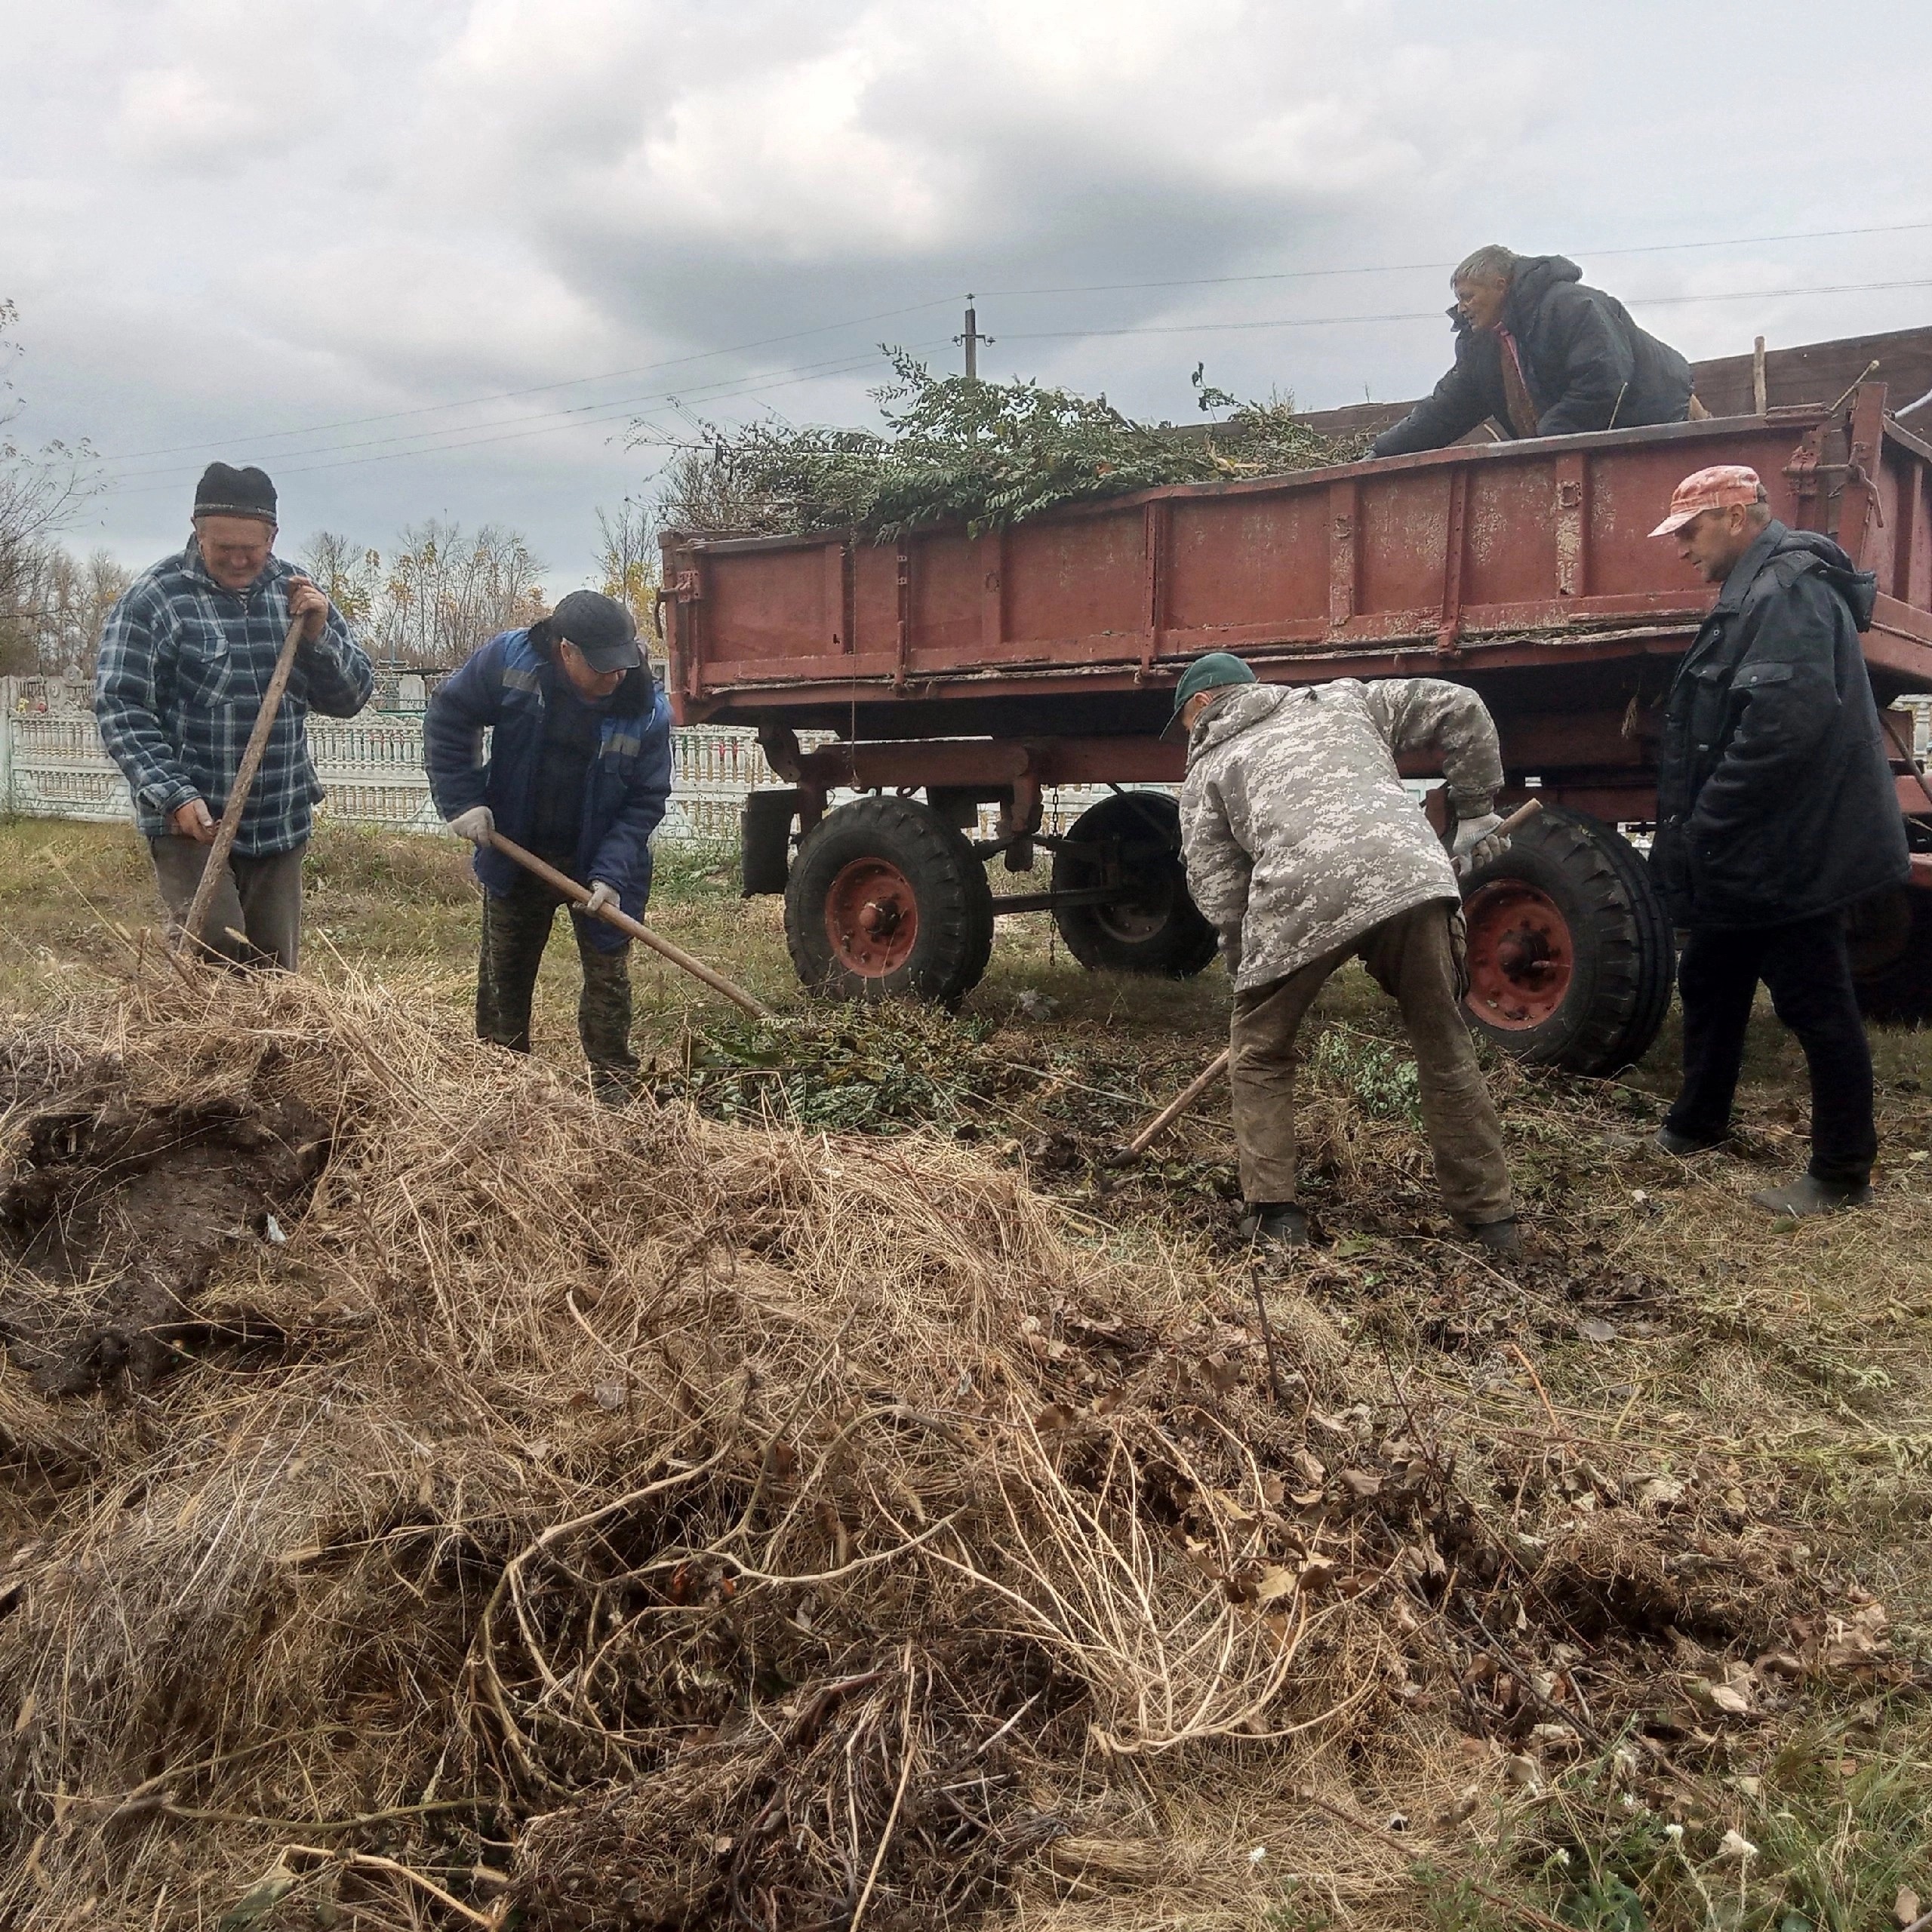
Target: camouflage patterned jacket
{"x":1296,"y":832}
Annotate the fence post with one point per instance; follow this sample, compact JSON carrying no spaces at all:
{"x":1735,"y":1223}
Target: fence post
{"x":10,"y":690}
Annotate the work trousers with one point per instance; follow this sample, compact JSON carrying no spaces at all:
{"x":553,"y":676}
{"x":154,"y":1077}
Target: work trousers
{"x":1805,"y":966}
{"x":1412,"y":958}
{"x":255,"y":917}
{"x":516,"y":928}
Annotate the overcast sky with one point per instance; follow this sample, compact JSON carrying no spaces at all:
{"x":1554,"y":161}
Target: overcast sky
{"x":433,"y":258}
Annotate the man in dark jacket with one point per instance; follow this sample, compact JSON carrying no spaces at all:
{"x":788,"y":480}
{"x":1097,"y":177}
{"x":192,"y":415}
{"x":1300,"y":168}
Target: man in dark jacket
{"x":1540,"y":355}
{"x":579,"y":771}
{"x":1776,"y":810}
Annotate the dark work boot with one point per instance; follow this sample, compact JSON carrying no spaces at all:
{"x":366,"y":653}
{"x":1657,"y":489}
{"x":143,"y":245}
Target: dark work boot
{"x":1499,"y":1237}
{"x":1808,"y":1194}
{"x":1668,"y":1140}
{"x":1281,"y":1222}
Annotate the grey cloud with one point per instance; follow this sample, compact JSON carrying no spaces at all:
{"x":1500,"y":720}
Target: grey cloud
{"x":223,"y":218}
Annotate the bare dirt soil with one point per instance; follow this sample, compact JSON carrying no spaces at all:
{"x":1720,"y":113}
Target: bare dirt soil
{"x":114,"y":1210}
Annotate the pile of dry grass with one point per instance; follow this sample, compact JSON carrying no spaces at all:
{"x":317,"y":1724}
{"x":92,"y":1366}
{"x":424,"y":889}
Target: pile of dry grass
{"x":422,"y":1492}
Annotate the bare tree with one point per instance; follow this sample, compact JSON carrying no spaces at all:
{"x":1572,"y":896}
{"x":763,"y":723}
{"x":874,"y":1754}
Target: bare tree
{"x":64,"y":603}
{"x":447,"y":593}
{"x":40,"y":489}
{"x":440,"y":593}
{"x":349,"y":575}
{"x":628,"y":555}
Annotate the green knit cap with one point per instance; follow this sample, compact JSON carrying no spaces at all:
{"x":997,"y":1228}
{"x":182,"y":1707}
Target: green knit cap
{"x":1207,"y":674}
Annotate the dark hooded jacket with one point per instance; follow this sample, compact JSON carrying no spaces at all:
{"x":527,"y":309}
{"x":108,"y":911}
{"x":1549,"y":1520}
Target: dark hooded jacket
{"x":506,"y":688}
{"x":1775,"y":799}
{"x":1585,"y":364}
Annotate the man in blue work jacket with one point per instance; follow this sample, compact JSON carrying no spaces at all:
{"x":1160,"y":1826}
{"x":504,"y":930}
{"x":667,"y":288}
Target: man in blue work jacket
{"x":578,"y":772}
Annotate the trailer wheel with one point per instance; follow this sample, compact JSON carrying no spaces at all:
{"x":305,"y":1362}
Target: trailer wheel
{"x":885,"y":898}
{"x":1158,"y":929}
{"x":1890,"y":939}
{"x":1570,"y":956}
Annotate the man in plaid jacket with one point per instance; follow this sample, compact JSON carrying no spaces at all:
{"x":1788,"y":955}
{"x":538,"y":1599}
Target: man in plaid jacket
{"x":184,"y":661}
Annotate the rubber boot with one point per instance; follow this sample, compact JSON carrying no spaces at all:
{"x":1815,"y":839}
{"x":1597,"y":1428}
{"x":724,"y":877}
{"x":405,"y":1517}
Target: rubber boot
{"x":1668,"y":1140}
{"x":1499,"y":1237}
{"x":1808,"y":1194}
{"x":1280,"y":1223}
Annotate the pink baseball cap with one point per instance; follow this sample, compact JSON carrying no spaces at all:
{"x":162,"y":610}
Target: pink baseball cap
{"x":1716,"y":488}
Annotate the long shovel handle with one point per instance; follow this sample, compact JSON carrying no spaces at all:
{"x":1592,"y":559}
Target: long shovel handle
{"x":217,"y":867}
{"x":624,"y":923}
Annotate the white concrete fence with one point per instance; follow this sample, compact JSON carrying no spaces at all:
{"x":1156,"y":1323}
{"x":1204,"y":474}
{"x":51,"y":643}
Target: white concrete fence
{"x":52,"y":766}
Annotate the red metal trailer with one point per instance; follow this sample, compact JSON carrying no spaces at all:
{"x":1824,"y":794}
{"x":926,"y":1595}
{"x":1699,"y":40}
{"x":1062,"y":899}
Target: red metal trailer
{"x":985,"y":668}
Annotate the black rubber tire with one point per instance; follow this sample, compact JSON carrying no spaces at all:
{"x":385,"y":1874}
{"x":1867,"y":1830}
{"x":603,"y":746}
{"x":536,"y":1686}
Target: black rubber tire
{"x":1162,"y":932}
{"x":954,"y":936}
{"x":1891,"y":944}
{"x":1623,"y":957}
{"x":1656,"y":937}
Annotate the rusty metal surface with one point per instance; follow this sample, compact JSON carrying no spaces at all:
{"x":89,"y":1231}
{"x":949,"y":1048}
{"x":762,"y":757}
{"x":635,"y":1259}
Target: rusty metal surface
{"x":1524,"y":569}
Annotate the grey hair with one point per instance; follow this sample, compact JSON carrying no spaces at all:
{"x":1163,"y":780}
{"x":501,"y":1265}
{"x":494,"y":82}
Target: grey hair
{"x":1493,"y":263}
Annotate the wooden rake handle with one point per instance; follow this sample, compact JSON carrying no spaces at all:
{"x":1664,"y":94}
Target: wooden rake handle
{"x":1187,"y":1098}
{"x":1517,"y":820}
{"x":216,"y":865}
{"x":577,"y":894}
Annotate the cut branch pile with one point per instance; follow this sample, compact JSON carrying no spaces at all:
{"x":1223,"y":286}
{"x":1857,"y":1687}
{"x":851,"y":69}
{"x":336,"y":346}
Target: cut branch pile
{"x":987,"y":454}
{"x":494,"y":1502}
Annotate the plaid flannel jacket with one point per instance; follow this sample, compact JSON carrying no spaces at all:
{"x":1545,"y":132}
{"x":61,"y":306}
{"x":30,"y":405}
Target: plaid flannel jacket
{"x":183,"y":669}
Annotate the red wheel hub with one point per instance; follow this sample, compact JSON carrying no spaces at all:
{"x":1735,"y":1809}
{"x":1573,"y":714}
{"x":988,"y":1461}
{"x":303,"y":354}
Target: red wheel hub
{"x":1521,"y":957}
{"x":872,"y":918}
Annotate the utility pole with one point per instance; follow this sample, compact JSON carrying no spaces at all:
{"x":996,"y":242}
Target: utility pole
{"x":973,"y":338}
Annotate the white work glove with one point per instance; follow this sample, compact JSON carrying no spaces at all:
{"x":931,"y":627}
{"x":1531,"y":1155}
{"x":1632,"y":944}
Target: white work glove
{"x":475,"y":824}
{"x":602,"y":895}
{"x":1475,"y":843}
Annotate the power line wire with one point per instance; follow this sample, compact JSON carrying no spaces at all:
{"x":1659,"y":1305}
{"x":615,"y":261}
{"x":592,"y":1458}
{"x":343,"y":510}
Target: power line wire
{"x":887,"y":315}
{"x":597,"y":414}
{"x":1431,"y":315}
{"x":619,"y":409}
{"x":514,"y":435}
{"x":724,"y":387}
{"x":728,"y":385}
{"x":1407,"y":268}
{"x":539,"y":388}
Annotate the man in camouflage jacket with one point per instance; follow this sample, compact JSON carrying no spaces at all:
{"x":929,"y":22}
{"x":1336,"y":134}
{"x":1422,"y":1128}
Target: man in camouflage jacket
{"x":1303,"y":850}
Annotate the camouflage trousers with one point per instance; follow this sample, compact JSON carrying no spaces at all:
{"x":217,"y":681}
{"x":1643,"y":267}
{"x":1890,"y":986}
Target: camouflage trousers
{"x":516,"y":928}
{"x":1416,"y":958}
